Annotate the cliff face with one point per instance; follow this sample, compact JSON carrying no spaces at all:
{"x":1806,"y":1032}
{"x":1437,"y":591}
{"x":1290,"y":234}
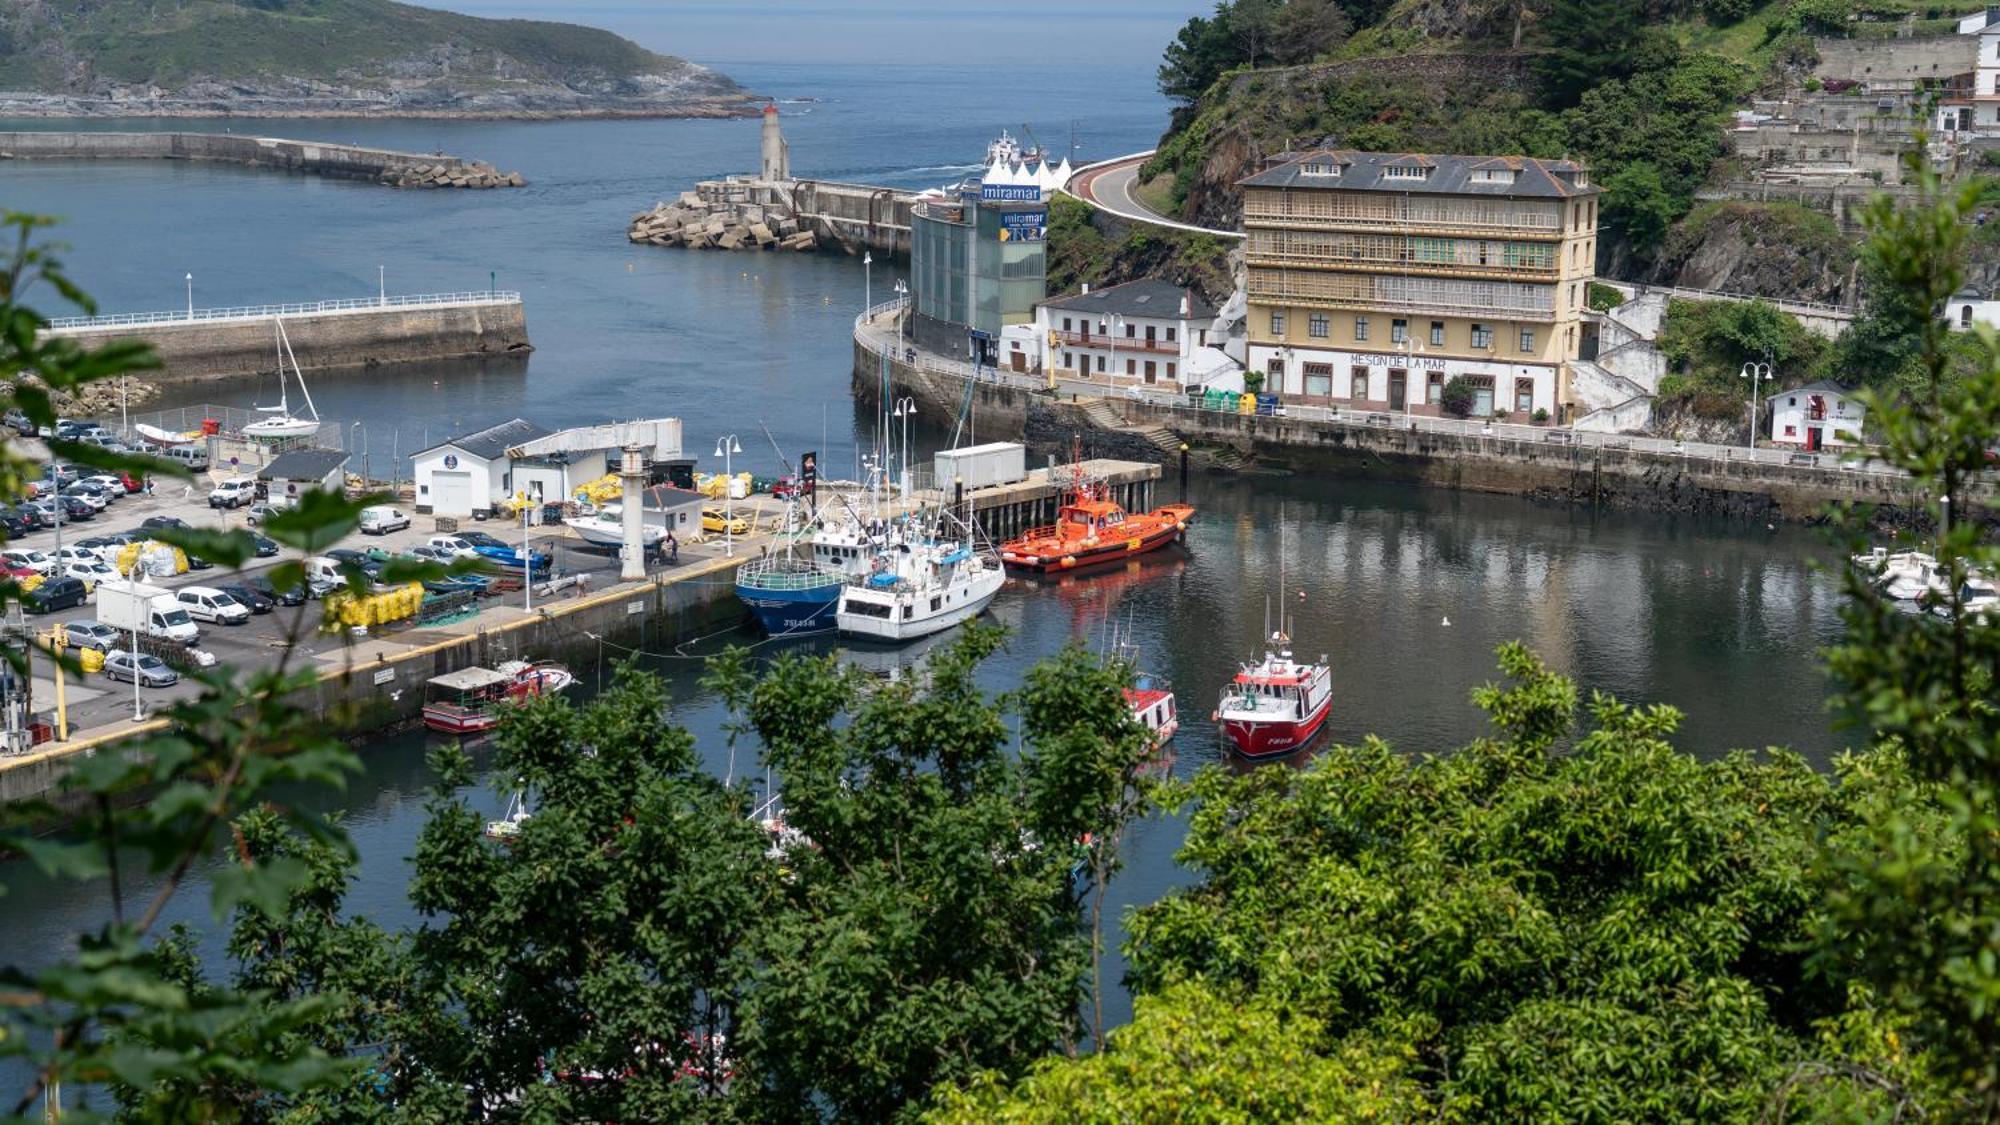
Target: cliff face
{"x":330,"y":58}
{"x":1775,"y":250}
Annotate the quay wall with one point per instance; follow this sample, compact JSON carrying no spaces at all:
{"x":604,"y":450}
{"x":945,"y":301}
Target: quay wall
{"x":369,"y":694}
{"x":1598,"y":476}
{"x":219,"y":349}
{"x":338,"y":161}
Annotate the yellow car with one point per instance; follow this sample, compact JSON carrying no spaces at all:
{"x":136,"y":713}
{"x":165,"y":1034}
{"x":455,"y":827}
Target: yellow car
{"x":713,"y":518}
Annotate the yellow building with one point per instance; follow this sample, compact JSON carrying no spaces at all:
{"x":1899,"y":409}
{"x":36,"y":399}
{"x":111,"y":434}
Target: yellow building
{"x":1375,"y":278}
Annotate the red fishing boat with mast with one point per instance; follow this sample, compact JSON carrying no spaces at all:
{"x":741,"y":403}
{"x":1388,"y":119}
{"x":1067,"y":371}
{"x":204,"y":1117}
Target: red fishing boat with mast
{"x":1277,"y":705}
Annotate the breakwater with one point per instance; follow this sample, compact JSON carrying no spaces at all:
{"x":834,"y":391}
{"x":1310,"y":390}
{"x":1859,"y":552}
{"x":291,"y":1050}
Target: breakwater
{"x":339,"y":161}
{"x":234,"y":342}
{"x":1596,"y":470}
{"x":747,"y":213}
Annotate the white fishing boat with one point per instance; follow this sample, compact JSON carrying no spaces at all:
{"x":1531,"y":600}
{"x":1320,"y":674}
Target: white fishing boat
{"x":919,"y":589}
{"x":599,"y":531}
{"x":282,"y":424}
{"x":1908,"y":575}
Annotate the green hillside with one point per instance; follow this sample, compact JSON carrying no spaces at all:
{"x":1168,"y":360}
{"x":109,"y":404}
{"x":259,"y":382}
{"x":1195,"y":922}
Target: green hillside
{"x":80,"y":46}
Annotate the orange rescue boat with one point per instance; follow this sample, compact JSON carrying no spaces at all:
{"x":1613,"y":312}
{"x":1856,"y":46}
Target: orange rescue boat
{"x":1092,"y":531}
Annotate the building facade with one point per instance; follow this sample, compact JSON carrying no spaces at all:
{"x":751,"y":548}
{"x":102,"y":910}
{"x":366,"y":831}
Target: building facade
{"x":1374,"y":279}
{"x":470,"y":473}
{"x":1144,"y":332}
{"x":1817,"y":416}
{"x":978,"y":263}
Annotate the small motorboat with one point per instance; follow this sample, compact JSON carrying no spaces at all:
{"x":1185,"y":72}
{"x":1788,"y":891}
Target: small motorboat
{"x":165,"y":439}
{"x":472,"y":700}
{"x":600,"y":532}
{"x":1152,"y":704}
{"x":1907,"y":576}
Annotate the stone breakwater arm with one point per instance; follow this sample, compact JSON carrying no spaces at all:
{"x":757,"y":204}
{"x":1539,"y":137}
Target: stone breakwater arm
{"x":339,"y":161}
{"x":744,"y":213}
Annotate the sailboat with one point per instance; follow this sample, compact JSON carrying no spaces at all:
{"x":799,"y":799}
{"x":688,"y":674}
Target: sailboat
{"x":283,"y":425}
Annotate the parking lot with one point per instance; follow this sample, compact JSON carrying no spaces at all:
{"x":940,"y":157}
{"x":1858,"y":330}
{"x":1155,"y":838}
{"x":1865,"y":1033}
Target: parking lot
{"x":577,"y":569}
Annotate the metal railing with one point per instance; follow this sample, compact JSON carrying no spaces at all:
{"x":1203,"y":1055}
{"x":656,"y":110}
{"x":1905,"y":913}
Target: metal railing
{"x":308,"y":308}
{"x":1633,"y":291}
{"x":1512,"y":433}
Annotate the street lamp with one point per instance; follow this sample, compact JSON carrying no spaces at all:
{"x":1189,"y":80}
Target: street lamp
{"x":727,"y":447}
{"x":1756,"y":373}
{"x":1111,"y":329}
{"x":905,"y":408}
{"x":138,"y":705}
{"x":867,"y":280}
{"x":903,"y":316}
{"x":190,"y":285}
{"x":382,"y":284}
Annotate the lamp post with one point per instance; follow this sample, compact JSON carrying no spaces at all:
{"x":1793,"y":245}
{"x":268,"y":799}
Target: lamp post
{"x":382,"y":285}
{"x":727,"y":447}
{"x":190,"y":285}
{"x":138,"y":705}
{"x":867,"y":280}
{"x":902,"y":315}
{"x":1756,"y":373}
{"x":528,"y":555}
{"x":905,"y":408}
{"x":1111,"y":328}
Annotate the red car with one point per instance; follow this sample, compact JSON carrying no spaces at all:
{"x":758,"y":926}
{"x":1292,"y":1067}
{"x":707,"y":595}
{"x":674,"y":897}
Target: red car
{"x":131,"y":483}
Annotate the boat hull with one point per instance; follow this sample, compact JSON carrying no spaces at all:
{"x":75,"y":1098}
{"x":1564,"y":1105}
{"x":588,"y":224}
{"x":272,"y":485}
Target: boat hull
{"x":895,"y":630}
{"x":793,"y":613}
{"x":1271,"y":738}
{"x":461,"y":721}
{"x":1078,"y":557}
{"x":613,"y":536}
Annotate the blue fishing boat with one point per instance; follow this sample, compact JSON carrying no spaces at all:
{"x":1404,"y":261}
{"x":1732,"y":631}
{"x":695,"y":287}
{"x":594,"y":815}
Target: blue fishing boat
{"x":790,"y":596}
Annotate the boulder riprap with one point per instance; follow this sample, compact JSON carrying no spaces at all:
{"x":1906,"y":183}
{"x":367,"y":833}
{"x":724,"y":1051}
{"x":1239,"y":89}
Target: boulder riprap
{"x":701,"y":224}
{"x":453,"y":174}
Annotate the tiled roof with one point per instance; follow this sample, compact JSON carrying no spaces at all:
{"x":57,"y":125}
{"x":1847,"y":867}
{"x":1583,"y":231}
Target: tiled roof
{"x":303,"y":464}
{"x":1149,"y":297}
{"x":1449,"y":175}
{"x":493,"y":442}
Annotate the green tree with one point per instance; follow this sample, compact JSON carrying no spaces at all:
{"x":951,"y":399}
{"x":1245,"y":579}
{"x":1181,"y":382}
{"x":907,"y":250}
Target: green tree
{"x":1199,"y":54}
{"x":1589,"y":42}
{"x":1458,"y":397}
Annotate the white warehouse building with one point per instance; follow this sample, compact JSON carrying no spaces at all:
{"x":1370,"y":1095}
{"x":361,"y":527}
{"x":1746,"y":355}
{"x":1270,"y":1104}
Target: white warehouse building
{"x":470,"y":473}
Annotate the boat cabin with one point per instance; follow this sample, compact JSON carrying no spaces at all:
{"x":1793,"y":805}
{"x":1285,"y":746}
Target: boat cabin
{"x":465,"y":700}
{"x":1089,"y":518}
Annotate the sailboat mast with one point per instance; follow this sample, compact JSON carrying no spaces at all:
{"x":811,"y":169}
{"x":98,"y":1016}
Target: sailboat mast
{"x":286,"y":338}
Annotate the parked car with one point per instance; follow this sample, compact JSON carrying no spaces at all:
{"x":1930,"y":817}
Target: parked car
{"x":75,"y":508}
{"x":458,"y":545}
{"x":254,"y":600}
{"x":382,"y":520}
{"x":106,"y":547}
{"x":14,"y":525}
{"x":24,"y":558}
{"x":95,"y":634}
{"x":113,"y":483}
{"x":233,"y":493}
{"x":77,"y":553}
{"x":28,"y":514}
{"x":196,"y":562}
{"x":718,"y":519}
{"x":265,"y":547}
{"x":145,"y":669}
{"x":19,"y":423}
{"x":259,"y":584}
{"x":258,"y":513}
{"x":89,"y":573}
{"x":163,"y":521}
{"x":55,"y":594}
{"x":206,"y":603}
{"x":63,"y":475}
{"x":95,"y":495}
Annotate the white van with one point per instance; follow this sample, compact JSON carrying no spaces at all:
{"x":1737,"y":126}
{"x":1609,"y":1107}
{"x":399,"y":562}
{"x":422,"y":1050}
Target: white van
{"x":206,"y":603}
{"x":168,"y":619}
{"x":383,"y":520}
{"x":191,"y":456}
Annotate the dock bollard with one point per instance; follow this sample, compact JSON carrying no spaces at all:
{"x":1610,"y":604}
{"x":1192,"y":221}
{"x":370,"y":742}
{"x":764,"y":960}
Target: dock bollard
{"x":1184,"y":465}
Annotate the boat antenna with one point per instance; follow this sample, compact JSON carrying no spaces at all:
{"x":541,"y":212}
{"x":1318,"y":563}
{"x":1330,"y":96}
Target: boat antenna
{"x":782,"y":460}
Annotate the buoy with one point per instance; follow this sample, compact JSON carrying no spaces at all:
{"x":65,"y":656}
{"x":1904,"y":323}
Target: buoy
{"x":1447,"y":622}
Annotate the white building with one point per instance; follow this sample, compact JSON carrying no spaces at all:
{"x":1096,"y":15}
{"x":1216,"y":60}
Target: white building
{"x":1816,"y":416}
{"x":1141,"y":332}
{"x":1980,"y":111}
{"x":302,"y":470}
{"x":471,"y":473}
{"x":1968,"y":307}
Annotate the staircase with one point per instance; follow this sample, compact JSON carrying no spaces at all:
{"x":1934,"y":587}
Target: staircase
{"x":1103,"y":415}
{"x":1106,"y":416}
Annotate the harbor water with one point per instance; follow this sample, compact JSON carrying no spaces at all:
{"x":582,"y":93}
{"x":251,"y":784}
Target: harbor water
{"x":1406,"y":591}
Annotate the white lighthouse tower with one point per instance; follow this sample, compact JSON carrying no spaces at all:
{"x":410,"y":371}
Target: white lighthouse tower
{"x":777,"y":154}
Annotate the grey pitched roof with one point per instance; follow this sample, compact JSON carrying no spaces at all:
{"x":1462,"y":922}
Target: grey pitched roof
{"x":493,"y":442}
{"x":303,"y":464}
{"x":1823,"y":386}
{"x":1449,"y":175}
{"x":1148,"y":296}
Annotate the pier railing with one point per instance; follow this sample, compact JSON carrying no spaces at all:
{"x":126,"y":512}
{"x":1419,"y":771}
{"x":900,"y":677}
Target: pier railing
{"x":875,"y":338}
{"x":307,"y":308}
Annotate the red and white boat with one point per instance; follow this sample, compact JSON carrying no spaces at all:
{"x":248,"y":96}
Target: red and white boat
{"x":471,"y":701}
{"x":1152,"y":704}
{"x":1276,"y":706}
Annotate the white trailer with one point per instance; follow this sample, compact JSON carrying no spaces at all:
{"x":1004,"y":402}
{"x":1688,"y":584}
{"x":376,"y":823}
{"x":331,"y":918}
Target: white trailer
{"x":981,"y":466}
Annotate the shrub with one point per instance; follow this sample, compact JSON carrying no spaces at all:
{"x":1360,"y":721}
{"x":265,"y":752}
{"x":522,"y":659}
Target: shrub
{"x":1541,"y":414}
{"x":1603,"y":297}
{"x":1253,"y":381}
{"x":1458,"y":397}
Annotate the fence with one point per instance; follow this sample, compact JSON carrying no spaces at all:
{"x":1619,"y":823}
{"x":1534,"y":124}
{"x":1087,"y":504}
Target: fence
{"x":309,"y":308}
{"x":875,"y":339}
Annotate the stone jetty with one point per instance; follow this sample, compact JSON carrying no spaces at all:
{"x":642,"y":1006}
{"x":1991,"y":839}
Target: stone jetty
{"x":699,"y":223}
{"x":451,"y":173}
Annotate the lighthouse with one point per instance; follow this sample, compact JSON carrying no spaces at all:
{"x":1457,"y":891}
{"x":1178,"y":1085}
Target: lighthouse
{"x":777,"y":154}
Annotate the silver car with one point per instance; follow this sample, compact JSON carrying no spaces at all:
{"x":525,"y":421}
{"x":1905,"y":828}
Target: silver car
{"x":148,"y":670}
{"x":94,"y":634}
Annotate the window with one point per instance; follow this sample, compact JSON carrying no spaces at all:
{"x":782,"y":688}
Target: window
{"x":1319,"y":380}
{"x":1965,"y":317}
{"x":1170,"y":333}
{"x":1069,"y":360}
{"x":1527,"y":339}
{"x":1318,"y":326}
{"x":1277,"y":324}
{"x":1405,"y":172}
{"x":1482,"y":336}
{"x":1131,"y":367}
{"x":1319,"y":168}
{"x":1524,"y":396}
{"x":1152,"y":371}
{"x":1399,"y":331}
{"x":1066,"y":327}
{"x":1574,"y":300}
{"x":1361,"y":328}
{"x":1360,"y":381}
{"x":1791,"y":431}
{"x":1274,"y":372}
{"x":1100,"y":365}
{"x":1170,"y":369}
{"x":1437,"y":387}
{"x":1132,"y":332}
{"x":1437,"y":333}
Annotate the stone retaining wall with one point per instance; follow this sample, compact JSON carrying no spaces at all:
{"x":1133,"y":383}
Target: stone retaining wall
{"x":399,"y":169}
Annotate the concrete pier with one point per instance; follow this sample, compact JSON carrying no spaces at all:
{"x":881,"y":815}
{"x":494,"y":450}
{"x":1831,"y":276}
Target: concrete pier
{"x":349,"y":162}
{"x":750,"y":213}
{"x":235,"y":342}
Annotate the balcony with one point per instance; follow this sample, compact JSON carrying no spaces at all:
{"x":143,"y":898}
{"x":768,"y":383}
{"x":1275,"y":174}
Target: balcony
{"x":1120,"y":343}
{"x":1494,"y":271}
{"x":1380,"y":224}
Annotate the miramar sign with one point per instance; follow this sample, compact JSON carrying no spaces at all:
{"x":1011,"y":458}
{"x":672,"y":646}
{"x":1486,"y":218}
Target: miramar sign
{"x":1010,"y":193}
{"x":1023,"y":226}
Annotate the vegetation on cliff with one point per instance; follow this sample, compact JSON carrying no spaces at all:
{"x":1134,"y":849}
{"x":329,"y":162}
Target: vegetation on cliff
{"x":1088,"y":245}
{"x":360,"y":48}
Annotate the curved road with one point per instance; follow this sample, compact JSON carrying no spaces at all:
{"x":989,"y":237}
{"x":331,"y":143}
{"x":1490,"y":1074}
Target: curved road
{"x":1109,"y":188}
